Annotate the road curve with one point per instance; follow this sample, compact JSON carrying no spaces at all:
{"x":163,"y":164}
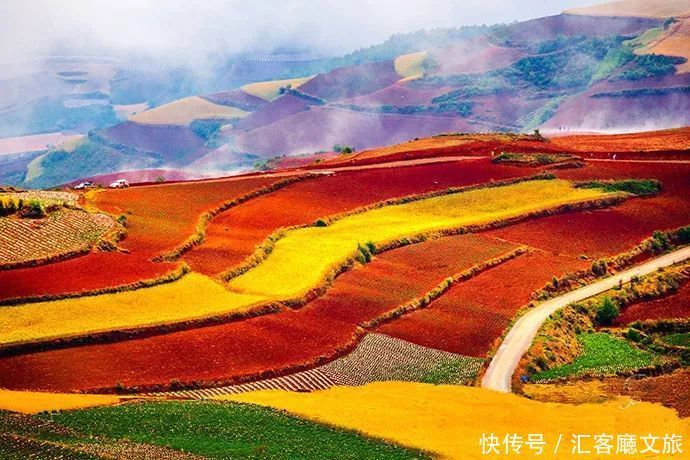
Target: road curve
{"x":518,"y":340}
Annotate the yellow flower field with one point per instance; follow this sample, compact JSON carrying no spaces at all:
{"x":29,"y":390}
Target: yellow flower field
{"x":450,"y":420}
{"x":411,"y":65}
{"x":193,"y":296}
{"x":186,"y":110}
{"x":31,"y":402}
{"x":298,"y":263}
{"x":269,"y":90}
{"x":302,"y":258}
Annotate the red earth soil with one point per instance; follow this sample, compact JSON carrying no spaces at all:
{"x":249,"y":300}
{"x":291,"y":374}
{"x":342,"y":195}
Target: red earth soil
{"x":585,"y":112}
{"x":550,"y":27}
{"x":159,"y":218}
{"x":250,"y":347}
{"x":280,"y":108}
{"x":233,"y":235}
{"x":351,"y":81}
{"x":559,"y":241}
{"x":399,"y":94}
{"x":297,"y":133}
{"x":671,"y":390}
{"x":469,"y":317}
{"x":96,"y":270}
{"x":670,"y":139}
{"x":476,"y":55}
{"x":676,"y":305}
{"x":140,"y":176}
{"x":176,"y":144}
{"x":236,"y":98}
{"x":609,"y":231}
{"x":298,"y":161}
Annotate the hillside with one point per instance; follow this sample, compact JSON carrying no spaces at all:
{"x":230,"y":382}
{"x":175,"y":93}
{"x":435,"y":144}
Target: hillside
{"x":590,"y":69}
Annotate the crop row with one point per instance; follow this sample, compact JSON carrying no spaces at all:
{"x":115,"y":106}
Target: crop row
{"x":67,"y":231}
{"x":264,"y":346}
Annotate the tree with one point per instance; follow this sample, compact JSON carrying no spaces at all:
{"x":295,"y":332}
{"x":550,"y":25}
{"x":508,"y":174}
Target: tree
{"x":607,"y":312}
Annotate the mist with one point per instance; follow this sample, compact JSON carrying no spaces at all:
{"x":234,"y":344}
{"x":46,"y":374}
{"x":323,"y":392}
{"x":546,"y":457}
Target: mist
{"x":184,"y":32}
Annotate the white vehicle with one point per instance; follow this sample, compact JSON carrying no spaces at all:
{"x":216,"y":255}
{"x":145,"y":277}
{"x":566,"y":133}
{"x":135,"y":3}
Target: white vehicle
{"x":83,"y":185}
{"x":120,"y":183}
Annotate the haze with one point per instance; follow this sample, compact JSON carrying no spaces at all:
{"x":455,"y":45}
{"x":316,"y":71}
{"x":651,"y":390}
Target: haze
{"x":184,"y":32}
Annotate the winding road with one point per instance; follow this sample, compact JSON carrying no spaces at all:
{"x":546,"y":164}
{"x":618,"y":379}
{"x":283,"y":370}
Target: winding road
{"x":518,"y":340}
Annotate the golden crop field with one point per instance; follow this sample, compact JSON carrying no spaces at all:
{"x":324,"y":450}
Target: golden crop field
{"x":303,"y":257}
{"x":31,"y":402}
{"x":193,"y":296}
{"x":298,"y":263}
{"x":269,"y":90}
{"x":450,"y":420}
{"x":410,"y":65}
{"x":186,"y":110}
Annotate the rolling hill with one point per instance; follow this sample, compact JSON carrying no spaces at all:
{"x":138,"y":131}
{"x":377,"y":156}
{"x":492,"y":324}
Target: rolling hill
{"x":615,"y":67}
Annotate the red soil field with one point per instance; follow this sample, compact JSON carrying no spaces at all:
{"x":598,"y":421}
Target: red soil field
{"x":671,"y":390}
{"x":351,"y":81}
{"x":469,"y":317}
{"x":96,"y":270}
{"x":320,"y":127}
{"x":280,"y":108}
{"x":159,"y":218}
{"x":258,"y":345}
{"x":609,"y":231}
{"x":673,"y":306}
{"x":568,"y":24}
{"x":476,"y":55}
{"x":398,"y":94}
{"x":451,"y":323}
{"x":177,"y":144}
{"x":233,"y":235}
{"x":162,"y":216}
{"x":140,"y":176}
{"x":670,"y":139}
{"x":236,"y":98}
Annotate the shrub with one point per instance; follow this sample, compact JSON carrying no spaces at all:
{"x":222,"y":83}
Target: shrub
{"x":599,"y":268}
{"x":35,"y":209}
{"x":633,"y":334}
{"x":683,"y":235}
{"x":607,"y":312}
{"x":320,"y":223}
{"x":660,"y":241}
{"x":640,"y":187}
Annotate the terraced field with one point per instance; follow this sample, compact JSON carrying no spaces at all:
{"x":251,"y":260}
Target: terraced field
{"x":233,"y":235}
{"x":65,"y":232}
{"x":260,"y":346}
{"x":674,"y":306}
{"x":186,"y":110}
{"x":420,"y":415}
{"x":308,"y":255}
{"x":269,"y":90}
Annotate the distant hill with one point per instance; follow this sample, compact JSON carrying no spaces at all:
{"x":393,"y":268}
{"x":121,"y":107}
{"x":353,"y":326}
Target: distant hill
{"x":615,"y":67}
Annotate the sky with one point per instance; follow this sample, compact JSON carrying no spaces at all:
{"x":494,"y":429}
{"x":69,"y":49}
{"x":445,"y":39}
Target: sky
{"x":184,"y":30}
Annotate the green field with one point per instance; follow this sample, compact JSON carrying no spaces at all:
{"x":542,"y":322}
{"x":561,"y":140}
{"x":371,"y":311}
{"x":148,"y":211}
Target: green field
{"x":678,"y":340}
{"x":602,"y":354}
{"x":226,"y":430}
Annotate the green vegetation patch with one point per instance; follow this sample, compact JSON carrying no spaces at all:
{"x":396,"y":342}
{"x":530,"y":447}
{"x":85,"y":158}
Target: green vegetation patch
{"x":678,"y":340}
{"x":602,"y":354}
{"x":640,"y":187}
{"x":534,"y":158}
{"x":228,"y":431}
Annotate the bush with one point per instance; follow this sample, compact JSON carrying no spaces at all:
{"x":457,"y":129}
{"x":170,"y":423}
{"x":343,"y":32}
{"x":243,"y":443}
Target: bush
{"x":607,"y":312}
{"x":684,"y":235}
{"x":633,"y":334}
{"x":639,"y":187}
{"x":660,"y":241}
{"x":320,"y":223}
{"x":599,"y":268}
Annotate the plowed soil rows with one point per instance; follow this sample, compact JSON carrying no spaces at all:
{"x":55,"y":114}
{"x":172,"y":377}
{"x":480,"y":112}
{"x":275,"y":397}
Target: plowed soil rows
{"x":254,"y":346}
{"x":468,"y":318}
{"x":459,"y":321}
{"x":160,"y":217}
{"x":233,"y":235}
{"x":97,"y":270}
{"x":609,"y":231}
{"x":674,"y":306}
